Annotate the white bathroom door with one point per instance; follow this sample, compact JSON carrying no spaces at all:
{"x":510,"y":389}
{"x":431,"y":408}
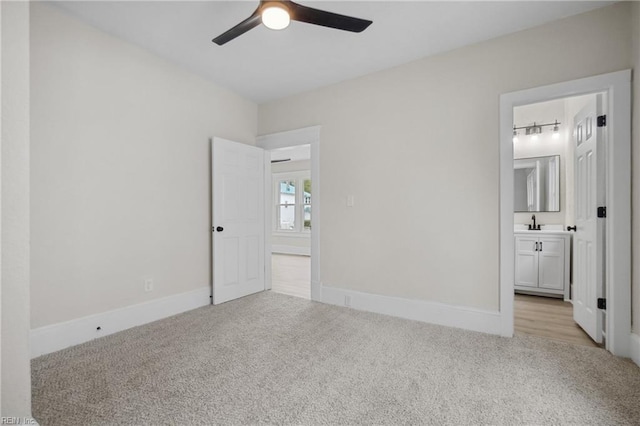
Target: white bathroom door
{"x":238,"y":220}
{"x":589,"y":236}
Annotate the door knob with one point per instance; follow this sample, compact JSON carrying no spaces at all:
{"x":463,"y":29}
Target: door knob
{"x":571,"y":228}
{"x":219,"y":229}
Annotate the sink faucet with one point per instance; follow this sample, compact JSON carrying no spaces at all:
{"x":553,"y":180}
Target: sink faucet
{"x":534,"y":227}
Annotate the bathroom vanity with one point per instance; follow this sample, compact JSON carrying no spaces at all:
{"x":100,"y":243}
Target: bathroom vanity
{"x":542,"y":261}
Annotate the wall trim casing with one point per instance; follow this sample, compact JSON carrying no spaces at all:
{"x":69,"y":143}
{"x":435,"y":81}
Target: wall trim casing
{"x":635,"y":348}
{"x":617,"y":86}
{"x":418,"y":310}
{"x":55,"y":337}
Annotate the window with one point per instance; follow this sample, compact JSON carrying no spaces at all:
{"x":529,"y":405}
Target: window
{"x":306,"y":204}
{"x":292,"y":202}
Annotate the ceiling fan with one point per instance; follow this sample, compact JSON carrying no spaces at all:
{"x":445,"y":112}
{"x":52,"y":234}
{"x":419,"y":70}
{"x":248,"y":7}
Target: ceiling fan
{"x":277,"y":15}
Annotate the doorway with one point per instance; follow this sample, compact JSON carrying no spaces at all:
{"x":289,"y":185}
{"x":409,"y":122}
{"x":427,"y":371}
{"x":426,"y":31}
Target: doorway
{"x":545,"y":188}
{"x":308,"y":136}
{"x":616,"y":273}
{"x":292,"y":220}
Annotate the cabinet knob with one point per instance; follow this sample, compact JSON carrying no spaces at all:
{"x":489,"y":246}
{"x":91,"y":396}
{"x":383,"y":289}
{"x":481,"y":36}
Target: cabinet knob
{"x":572,"y":228}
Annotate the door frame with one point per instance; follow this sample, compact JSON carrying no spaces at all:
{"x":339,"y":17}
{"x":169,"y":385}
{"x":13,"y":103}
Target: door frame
{"x":617,"y":86}
{"x":304,"y":136}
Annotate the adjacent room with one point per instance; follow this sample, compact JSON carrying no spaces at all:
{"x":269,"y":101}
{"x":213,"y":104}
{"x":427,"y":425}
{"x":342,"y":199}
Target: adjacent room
{"x":545,"y":137}
{"x":291,"y":232}
{"x":319,"y":212}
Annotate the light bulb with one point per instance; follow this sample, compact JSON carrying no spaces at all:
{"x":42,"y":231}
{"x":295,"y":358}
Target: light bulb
{"x":534,"y":137}
{"x":275,"y":17}
{"x":556,"y":135}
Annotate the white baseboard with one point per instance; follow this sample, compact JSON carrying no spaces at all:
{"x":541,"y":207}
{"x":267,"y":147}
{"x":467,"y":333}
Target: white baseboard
{"x":55,"y":337}
{"x":419,"y":310}
{"x":635,"y":348}
{"x":316,"y":291}
{"x":301,"y":251}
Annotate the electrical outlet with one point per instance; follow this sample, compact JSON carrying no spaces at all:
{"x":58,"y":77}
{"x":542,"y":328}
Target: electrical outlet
{"x":347,"y":301}
{"x":148,"y":284}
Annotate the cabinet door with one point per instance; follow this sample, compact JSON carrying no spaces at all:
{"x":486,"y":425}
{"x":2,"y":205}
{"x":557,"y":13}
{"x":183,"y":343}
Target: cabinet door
{"x":526,"y":261}
{"x":551,"y":263}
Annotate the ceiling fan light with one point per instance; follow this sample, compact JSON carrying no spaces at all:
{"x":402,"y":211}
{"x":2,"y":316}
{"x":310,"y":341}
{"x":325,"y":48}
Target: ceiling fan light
{"x":275,"y":17}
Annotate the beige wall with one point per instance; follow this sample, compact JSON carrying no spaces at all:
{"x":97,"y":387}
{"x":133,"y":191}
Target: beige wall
{"x":120,"y":170}
{"x":15,"y":367}
{"x":417,"y":146}
{"x":635,"y":169}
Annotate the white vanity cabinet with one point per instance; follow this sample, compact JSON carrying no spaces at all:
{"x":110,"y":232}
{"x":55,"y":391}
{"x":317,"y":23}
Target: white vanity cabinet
{"x":542,"y":262}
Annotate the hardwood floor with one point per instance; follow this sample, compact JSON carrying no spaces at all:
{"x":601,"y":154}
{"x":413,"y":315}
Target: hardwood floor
{"x":549,"y":318}
{"x":291,"y":275}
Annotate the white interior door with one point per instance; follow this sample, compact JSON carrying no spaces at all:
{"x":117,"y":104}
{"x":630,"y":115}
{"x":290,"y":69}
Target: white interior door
{"x":238,"y":220}
{"x":589,"y":237}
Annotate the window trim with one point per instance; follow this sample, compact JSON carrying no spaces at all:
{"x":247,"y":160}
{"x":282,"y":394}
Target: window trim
{"x":298,"y":177}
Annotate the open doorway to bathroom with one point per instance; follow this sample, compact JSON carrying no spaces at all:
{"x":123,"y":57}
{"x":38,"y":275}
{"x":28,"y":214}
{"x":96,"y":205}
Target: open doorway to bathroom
{"x":292,"y":221}
{"x":615,"y":324}
{"x":558,"y":185}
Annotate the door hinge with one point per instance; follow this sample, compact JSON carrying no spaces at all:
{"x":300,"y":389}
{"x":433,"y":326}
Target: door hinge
{"x":602,"y":121}
{"x":602,"y":212}
{"x":602,"y":303}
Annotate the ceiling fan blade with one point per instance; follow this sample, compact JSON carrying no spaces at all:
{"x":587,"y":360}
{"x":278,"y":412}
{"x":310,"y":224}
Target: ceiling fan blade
{"x":251,"y":22}
{"x":326,"y":19}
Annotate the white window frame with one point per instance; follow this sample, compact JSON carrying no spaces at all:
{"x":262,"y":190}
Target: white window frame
{"x":298,"y":177}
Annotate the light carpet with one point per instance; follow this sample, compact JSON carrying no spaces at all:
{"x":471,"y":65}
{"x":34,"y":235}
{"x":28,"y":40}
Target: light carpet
{"x":270,"y":358}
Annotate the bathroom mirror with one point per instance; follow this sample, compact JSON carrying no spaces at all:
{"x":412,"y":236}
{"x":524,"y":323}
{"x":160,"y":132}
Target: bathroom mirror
{"x":537,"y":184}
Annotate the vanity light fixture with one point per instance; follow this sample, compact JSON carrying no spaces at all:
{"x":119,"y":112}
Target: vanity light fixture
{"x":556,"y":131}
{"x":535,"y":129}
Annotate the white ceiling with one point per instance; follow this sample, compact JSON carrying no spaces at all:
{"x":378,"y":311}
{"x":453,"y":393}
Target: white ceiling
{"x":264,"y":65}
